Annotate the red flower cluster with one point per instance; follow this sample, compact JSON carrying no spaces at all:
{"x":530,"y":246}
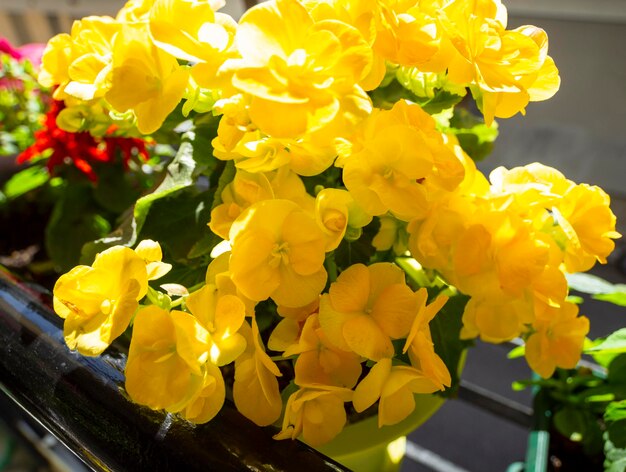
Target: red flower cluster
{"x":80,"y":149}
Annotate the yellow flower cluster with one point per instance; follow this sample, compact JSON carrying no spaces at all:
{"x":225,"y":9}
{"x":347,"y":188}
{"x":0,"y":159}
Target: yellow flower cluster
{"x":315,"y":167}
{"x":508,"y":245}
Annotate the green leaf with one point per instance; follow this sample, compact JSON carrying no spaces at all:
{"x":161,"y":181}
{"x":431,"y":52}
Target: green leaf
{"x":445,"y":329}
{"x":25,"y":181}
{"x":180,"y":174}
{"x":517,"y":352}
{"x":587,"y":283}
{"x":616,"y":298}
{"x":73,"y":222}
{"x":475,"y":137}
{"x":615,"y":419}
{"x":571,"y":423}
{"x":614,"y":343}
{"x":616,"y":411}
{"x":114,"y":190}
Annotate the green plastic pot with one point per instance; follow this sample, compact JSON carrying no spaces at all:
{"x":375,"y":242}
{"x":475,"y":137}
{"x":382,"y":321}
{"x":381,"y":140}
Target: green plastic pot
{"x":363,"y":447}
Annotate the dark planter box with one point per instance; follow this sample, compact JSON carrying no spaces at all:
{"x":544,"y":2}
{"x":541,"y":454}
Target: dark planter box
{"x":81,"y":401}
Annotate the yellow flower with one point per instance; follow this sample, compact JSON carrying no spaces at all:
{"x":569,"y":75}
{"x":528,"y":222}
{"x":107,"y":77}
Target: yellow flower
{"x":301,"y":75}
{"x":222,"y":317}
{"x":316,"y":412}
{"x":80,"y":64}
{"x":288,"y":330}
{"x":366,"y":308}
{"x":420,"y":345}
{"x":134,"y":11}
{"x":588,"y":224}
{"x":218,"y":275}
{"x":144,"y":79}
{"x":508,"y":68}
{"x":150,"y":252}
{"x":319,"y":361}
{"x":98,"y":302}
{"x":336,"y":212}
{"x":208,"y":399}
{"x":392,"y":234}
{"x":395,"y":388}
{"x":191,"y":30}
{"x":398,"y":161}
{"x":557,"y":339}
{"x":577,"y":217}
{"x":255,"y":390}
{"x":167,"y":365}
{"x":496,"y":319}
{"x":248,"y":188}
{"x":278,"y":252}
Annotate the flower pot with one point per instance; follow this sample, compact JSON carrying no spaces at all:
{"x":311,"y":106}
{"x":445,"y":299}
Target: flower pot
{"x":363,"y":447}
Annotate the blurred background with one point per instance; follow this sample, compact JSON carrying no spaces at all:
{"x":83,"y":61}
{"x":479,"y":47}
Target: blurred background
{"x":581,"y":131}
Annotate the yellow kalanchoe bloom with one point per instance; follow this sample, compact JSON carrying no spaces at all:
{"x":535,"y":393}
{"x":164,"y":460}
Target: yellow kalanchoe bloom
{"x":394,"y":387}
{"x":144,"y":79}
{"x":316,"y":412}
{"x":98,"y":302}
{"x":278,"y":252}
{"x":366,"y":308}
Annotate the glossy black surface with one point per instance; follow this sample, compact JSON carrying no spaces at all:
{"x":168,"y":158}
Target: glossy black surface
{"x":82,"y":402}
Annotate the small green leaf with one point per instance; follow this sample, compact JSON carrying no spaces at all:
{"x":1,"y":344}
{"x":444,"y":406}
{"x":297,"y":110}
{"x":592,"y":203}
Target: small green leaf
{"x":614,"y":343}
{"x":587,"y":283}
{"x":615,"y":419}
{"x":516,"y":352}
{"x":25,"y":181}
{"x":571,"y":423}
{"x":616,"y":298}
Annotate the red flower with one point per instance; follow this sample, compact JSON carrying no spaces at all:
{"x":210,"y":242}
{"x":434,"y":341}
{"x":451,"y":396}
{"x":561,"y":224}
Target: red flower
{"x":80,"y":149}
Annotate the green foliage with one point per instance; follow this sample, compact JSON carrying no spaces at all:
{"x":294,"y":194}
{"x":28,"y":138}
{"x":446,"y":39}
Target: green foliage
{"x":22,"y":102}
{"x":445,"y":329}
{"x":73,"y":223}
{"x":475,"y":137}
{"x":25,"y":181}
{"x":599,"y":288}
{"x":386,"y":97}
{"x":176,"y":212}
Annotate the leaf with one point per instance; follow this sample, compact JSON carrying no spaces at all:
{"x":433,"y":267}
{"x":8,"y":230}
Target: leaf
{"x":73,"y":222}
{"x":587,"y":283}
{"x":571,"y":423}
{"x":616,"y":298}
{"x":516,"y":352}
{"x":180,"y":174}
{"x":445,"y":329}
{"x":25,"y":181}
{"x":614,"y":343}
{"x":475,"y":137}
{"x":615,"y":419}
{"x":114,"y":190}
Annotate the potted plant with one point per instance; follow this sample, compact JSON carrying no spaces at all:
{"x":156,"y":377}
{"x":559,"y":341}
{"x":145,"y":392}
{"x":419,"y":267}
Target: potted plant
{"x":322,"y":248}
{"x":580,"y":420}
